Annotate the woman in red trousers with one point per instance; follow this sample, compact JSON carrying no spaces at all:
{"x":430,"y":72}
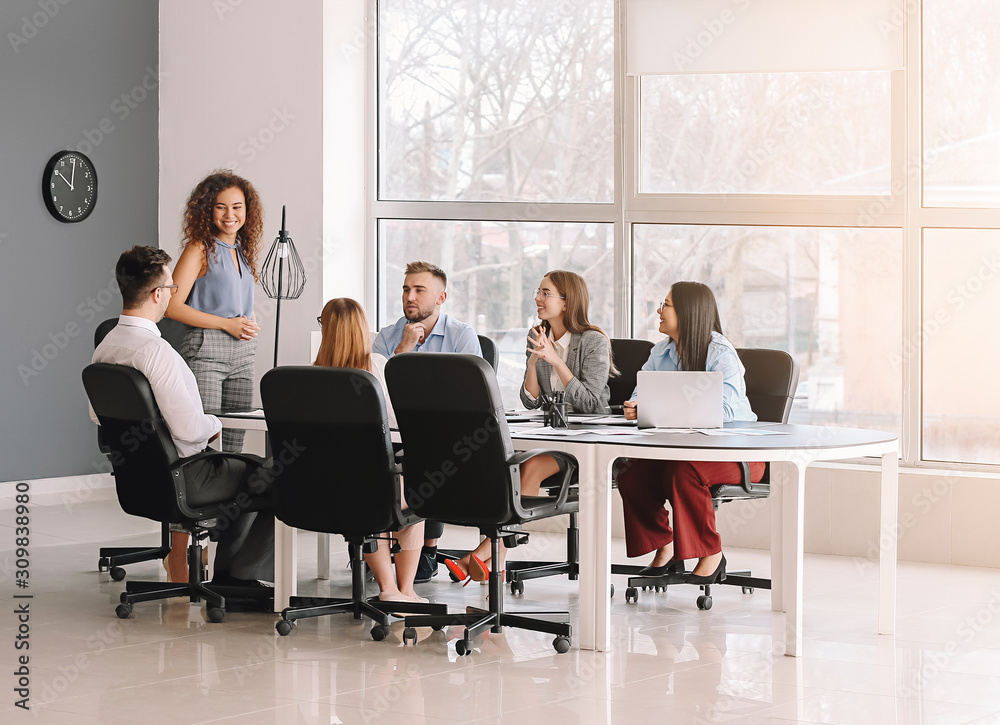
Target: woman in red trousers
{"x":689,"y":317}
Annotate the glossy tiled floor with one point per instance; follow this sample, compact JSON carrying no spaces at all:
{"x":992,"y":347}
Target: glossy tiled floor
{"x":671,"y":663}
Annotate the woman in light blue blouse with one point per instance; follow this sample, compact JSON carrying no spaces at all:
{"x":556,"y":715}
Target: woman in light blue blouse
{"x":689,"y":316}
{"x":216,"y":275}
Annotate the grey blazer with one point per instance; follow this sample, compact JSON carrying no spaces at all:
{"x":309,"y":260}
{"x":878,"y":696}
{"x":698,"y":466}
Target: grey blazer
{"x":589,"y":359}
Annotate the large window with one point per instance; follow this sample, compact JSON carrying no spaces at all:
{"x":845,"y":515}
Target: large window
{"x":492,"y":269}
{"x":960,"y":339}
{"x":961,"y":75}
{"x":766,"y":133}
{"x":507,"y":100}
{"x":843,"y":205}
{"x":830,"y":297}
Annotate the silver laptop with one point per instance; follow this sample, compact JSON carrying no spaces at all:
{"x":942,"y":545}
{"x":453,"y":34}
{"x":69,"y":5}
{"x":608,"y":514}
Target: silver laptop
{"x":679,"y":399}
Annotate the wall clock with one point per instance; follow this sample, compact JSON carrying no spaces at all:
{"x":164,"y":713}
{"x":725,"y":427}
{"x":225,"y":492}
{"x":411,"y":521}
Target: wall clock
{"x":69,"y":186}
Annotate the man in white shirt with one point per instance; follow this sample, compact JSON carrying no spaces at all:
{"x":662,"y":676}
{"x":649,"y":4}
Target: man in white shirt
{"x":245,"y":551}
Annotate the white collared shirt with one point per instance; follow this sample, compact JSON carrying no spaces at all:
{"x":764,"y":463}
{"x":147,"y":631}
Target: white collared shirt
{"x":136,"y":343}
{"x":561,"y":346}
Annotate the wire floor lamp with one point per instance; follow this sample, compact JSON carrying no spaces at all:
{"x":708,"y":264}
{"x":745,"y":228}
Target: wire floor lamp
{"x":282,"y":276}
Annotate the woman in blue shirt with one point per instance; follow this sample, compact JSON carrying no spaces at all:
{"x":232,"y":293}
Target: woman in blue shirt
{"x":689,"y":316}
{"x":216,"y":274}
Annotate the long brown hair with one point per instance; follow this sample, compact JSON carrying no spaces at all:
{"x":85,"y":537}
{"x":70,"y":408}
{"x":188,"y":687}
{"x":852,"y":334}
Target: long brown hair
{"x":346,"y":342}
{"x":574,"y":288}
{"x":697,"y":318}
{"x":199,"y":228}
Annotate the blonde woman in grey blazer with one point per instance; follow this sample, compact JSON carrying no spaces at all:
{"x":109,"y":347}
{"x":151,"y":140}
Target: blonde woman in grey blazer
{"x":567,"y":353}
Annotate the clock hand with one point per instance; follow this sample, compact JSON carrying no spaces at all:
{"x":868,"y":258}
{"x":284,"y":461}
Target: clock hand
{"x":72,"y":176}
{"x":59,"y":174}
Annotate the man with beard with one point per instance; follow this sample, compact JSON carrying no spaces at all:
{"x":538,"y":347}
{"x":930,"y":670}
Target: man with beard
{"x":423,"y":328}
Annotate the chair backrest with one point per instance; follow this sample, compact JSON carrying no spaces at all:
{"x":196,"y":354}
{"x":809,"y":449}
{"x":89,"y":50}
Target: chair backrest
{"x":171,"y":330}
{"x":141,"y":450}
{"x":771,"y":378}
{"x":629,"y":356}
{"x":333,"y":462}
{"x":455,"y":436}
{"x":490,"y":352}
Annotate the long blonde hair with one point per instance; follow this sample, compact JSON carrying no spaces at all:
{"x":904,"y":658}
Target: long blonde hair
{"x":346,"y":342}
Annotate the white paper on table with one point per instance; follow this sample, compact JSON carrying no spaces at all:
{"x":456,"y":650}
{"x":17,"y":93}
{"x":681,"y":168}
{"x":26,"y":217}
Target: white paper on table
{"x":549,"y":431}
{"x":739,"y":432}
{"x":524,"y":426}
{"x":617,"y":432}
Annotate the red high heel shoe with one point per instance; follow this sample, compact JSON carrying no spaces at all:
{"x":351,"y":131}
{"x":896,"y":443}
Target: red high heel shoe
{"x":457,"y":572}
{"x":480,"y":572}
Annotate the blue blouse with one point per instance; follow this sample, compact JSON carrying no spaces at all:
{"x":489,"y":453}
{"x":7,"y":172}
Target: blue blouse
{"x":224,"y":291}
{"x":722,"y":357}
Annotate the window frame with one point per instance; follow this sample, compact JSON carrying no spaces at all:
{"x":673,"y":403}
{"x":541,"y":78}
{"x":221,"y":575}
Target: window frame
{"x":900,"y":209}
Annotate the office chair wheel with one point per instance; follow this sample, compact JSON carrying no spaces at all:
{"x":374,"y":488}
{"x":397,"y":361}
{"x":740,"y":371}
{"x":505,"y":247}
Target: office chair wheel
{"x":123,"y":611}
{"x":103,"y":564}
{"x":747,"y":590}
{"x":517,"y":588}
{"x":216,"y":615}
{"x":631,"y":595}
{"x":437,"y":627}
{"x":561,"y":644}
{"x":117,"y":573}
{"x":409,"y":635}
{"x":379,"y":632}
{"x":284,"y":627}
{"x":463,"y":647}
{"x":704,"y":602}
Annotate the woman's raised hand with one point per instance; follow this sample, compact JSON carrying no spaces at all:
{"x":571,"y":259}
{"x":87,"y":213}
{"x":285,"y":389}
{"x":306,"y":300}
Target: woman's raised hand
{"x":539,"y":345}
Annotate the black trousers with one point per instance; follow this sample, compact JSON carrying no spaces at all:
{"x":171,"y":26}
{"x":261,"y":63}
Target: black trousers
{"x":245,"y":548}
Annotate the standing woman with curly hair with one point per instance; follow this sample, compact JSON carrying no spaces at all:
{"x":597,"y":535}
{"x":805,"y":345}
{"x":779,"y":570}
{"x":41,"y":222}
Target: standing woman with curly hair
{"x":216,"y":274}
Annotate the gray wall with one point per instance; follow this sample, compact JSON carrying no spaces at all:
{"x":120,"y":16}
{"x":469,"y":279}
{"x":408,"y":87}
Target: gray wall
{"x":64,"y":69}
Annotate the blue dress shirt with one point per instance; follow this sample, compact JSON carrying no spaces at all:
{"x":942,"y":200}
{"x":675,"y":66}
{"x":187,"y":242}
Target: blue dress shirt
{"x":448,"y":335}
{"x":722,"y":357}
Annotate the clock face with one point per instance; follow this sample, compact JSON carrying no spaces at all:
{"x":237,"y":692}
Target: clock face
{"x":69,"y":186}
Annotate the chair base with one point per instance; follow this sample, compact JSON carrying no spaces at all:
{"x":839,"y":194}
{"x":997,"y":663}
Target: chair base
{"x":113,"y":558}
{"x":740,"y":578}
{"x":477,"y":620}
{"x":357,"y":604}
{"x":520,"y":571}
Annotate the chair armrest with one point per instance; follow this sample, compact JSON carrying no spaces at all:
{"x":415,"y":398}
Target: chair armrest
{"x":570,"y":461}
{"x":745,"y":481}
{"x":248,"y":458}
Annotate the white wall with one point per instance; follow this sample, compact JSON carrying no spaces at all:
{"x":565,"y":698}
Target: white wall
{"x":242,"y":87}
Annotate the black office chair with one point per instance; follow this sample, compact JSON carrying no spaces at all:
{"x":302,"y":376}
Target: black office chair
{"x":343,"y":478}
{"x":490,"y":352}
{"x":771,"y":378}
{"x":491,"y":355}
{"x":460,"y":468}
{"x":629,"y":356}
{"x":113,"y":558}
{"x":149,"y":479}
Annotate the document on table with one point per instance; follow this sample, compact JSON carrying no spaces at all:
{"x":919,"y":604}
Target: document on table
{"x":740,"y":432}
{"x":549,"y":431}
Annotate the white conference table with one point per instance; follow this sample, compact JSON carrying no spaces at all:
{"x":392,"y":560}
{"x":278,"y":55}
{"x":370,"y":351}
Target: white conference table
{"x":790,"y":454}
